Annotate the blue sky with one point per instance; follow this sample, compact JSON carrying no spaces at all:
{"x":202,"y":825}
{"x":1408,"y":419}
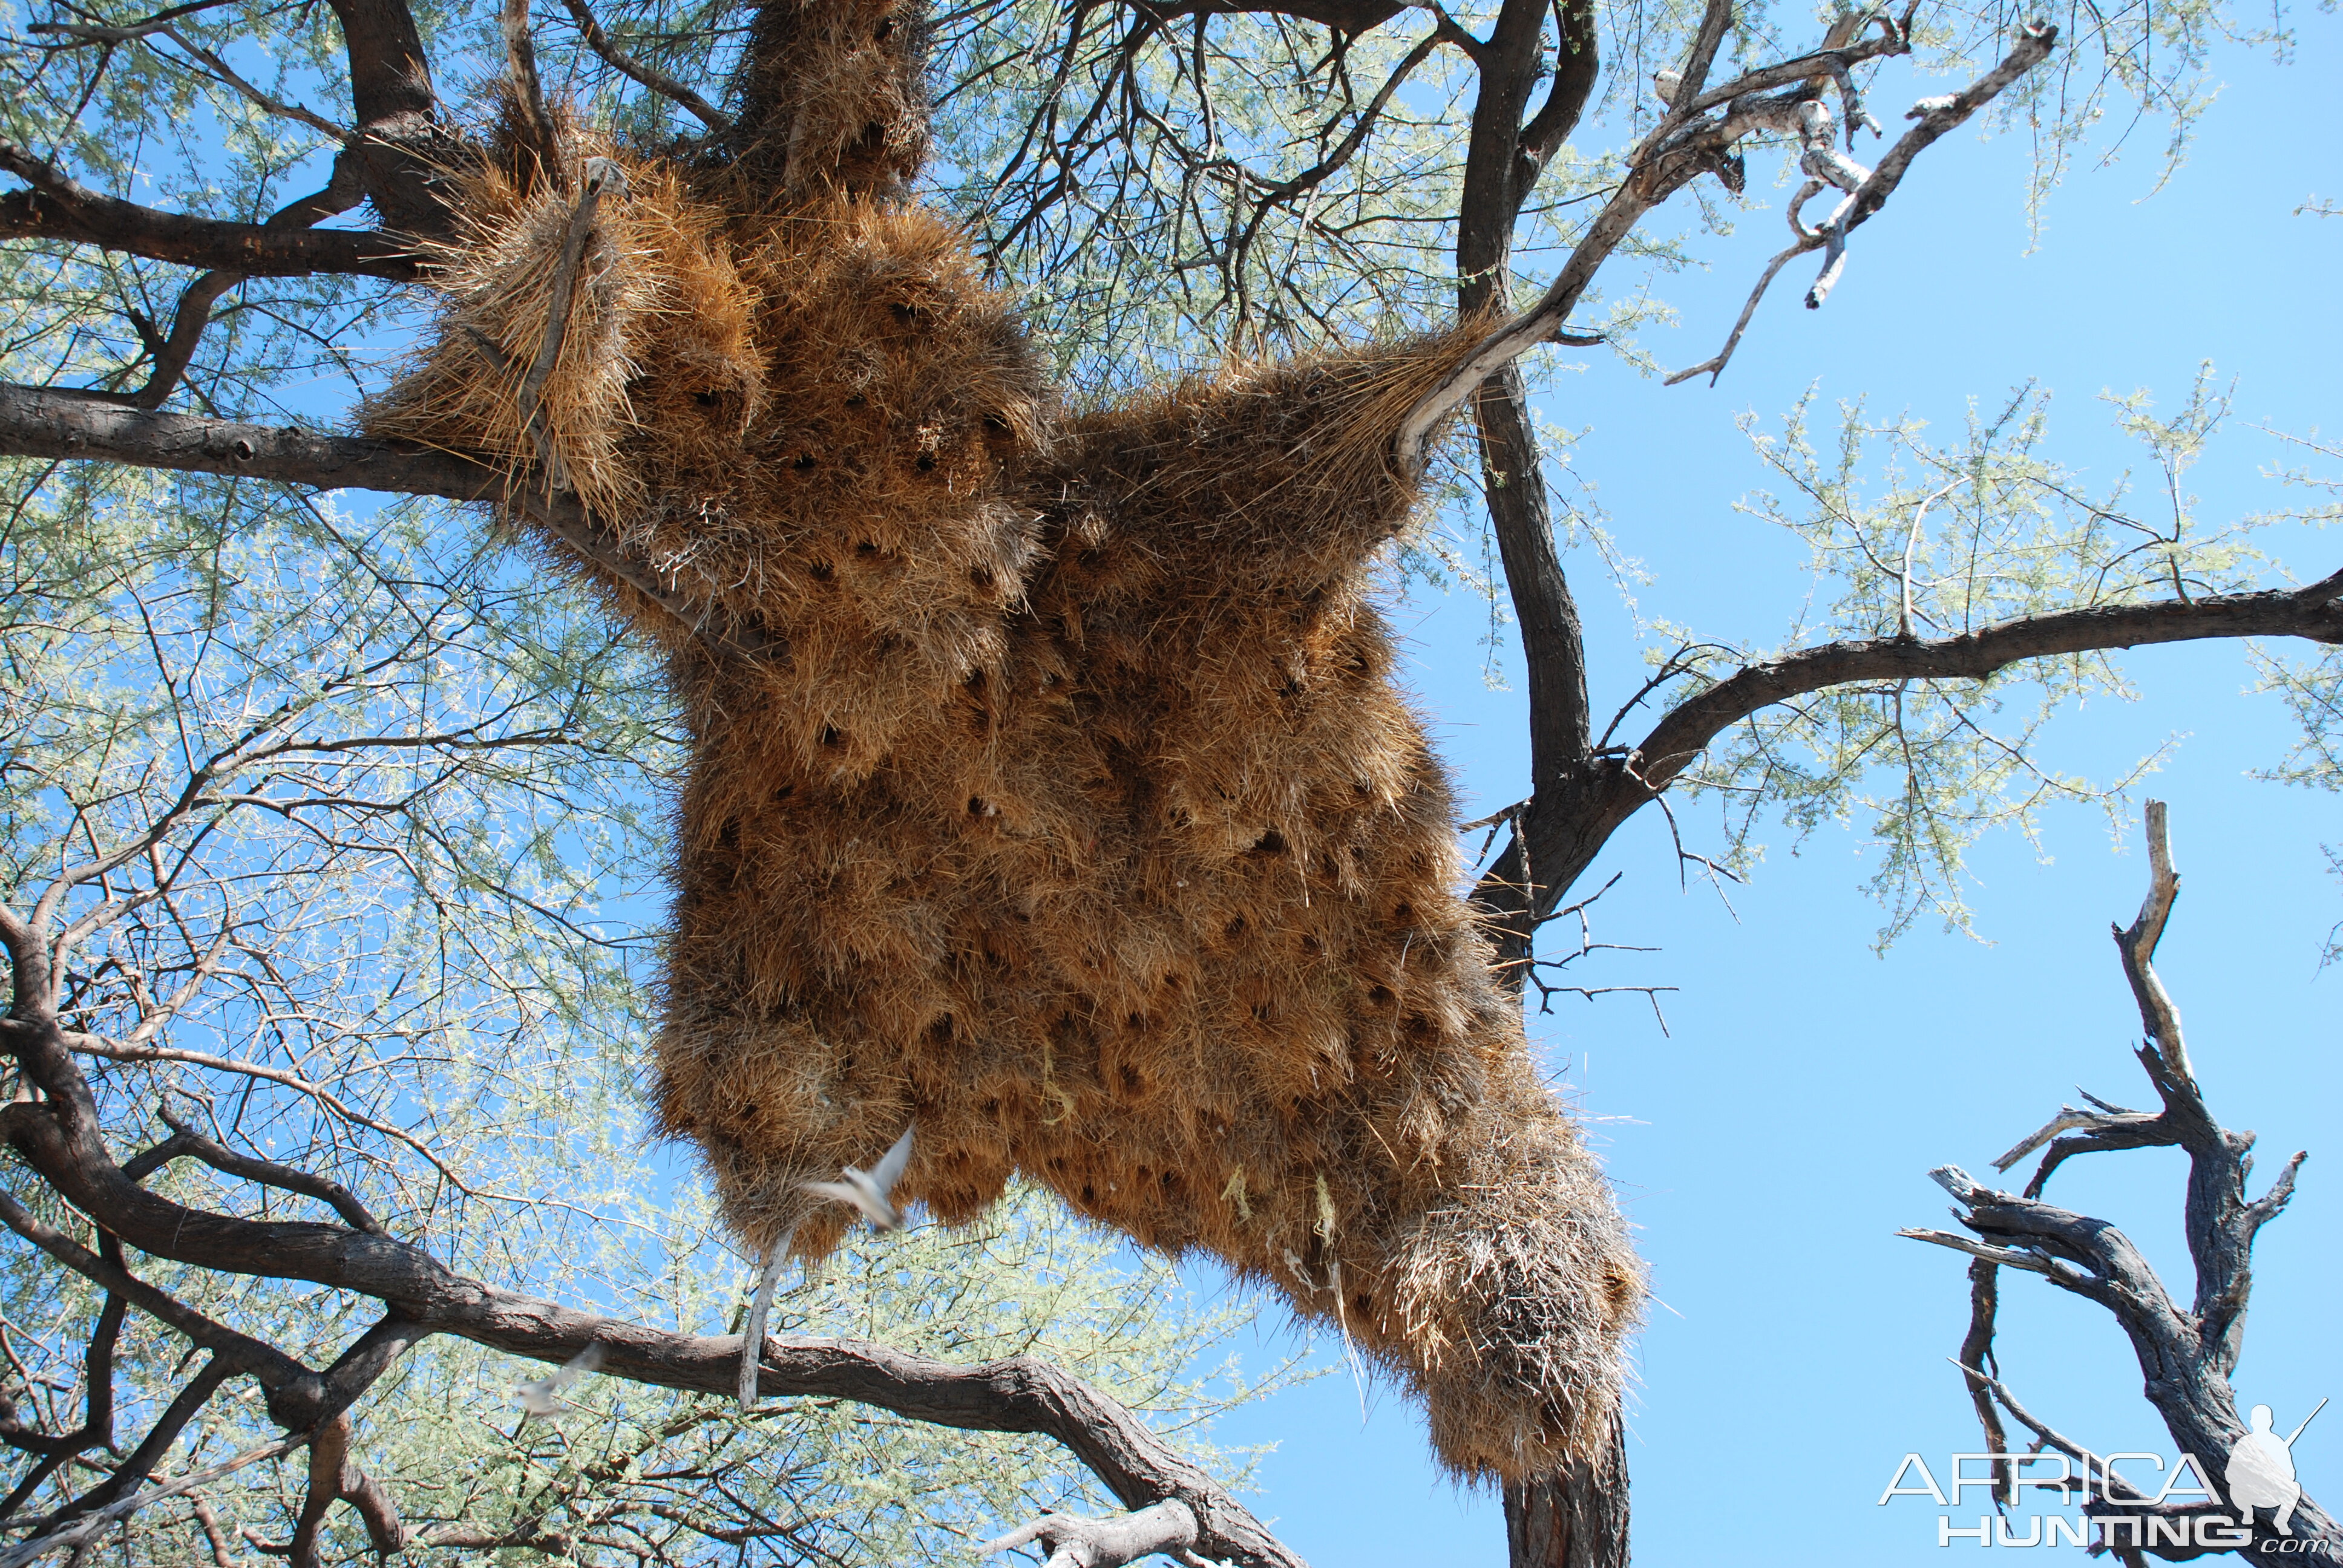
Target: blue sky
{"x":1770,"y":1147}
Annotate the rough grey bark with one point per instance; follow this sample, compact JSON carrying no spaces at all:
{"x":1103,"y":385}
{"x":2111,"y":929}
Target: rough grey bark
{"x":1074,"y":1542}
{"x":2185,"y":1353}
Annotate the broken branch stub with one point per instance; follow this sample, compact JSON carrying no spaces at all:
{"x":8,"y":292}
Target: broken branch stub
{"x":1802,"y":112}
{"x":1169,"y":1527}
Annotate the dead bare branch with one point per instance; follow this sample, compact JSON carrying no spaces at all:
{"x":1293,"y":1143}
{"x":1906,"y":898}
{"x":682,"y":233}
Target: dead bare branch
{"x":2186,"y":1353}
{"x":1867,"y":189}
{"x":1073,"y":1541}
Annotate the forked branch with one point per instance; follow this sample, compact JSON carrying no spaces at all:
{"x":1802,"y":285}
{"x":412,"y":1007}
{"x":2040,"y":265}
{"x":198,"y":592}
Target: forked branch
{"x":1692,"y":140}
{"x":1868,"y":189}
{"x":2186,"y":1353}
{"x":186,"y":1141}
{"x":57,"y":206}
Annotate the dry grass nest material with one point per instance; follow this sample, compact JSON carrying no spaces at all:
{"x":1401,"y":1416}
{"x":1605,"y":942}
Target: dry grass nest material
{"x":1077,"y":820}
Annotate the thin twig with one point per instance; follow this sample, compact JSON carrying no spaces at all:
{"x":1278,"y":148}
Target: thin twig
{"x":89,"y":1528}
{"x":650,"y":76}
{"x":87,"y":33}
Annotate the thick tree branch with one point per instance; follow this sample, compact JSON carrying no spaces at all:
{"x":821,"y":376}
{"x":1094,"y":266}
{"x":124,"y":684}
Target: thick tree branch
{"x":44,"y":422}
{"x":1502,"y":162}
{"x":2136,"y":944}
{"x":1690,"y":727}
{"x":1495,"y":177}
{"x":2087,"y":1257}
{"x":1976,"y":1351}
{"x":271,"y":1367}
{"x":390,"y":76}
{"x":174,"y":352}
{"x":59,"y":1139}
{"x":58,"y":207}
{"x":1692,"y":77}
{"x":1578,"y":1516}
{"x":1578,"y":1519}
{"x":334,"y":1478}
{"x":400,"y":146}
{"x":1940,"y":115}
{"x":1577,"y":66}
{"x":1518,"y":889}
{"x":1562,"y":844}
{"x":36,"y":422}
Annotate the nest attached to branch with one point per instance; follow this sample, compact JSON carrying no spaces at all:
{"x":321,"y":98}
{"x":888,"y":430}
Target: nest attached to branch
{"x":1076,"y":819}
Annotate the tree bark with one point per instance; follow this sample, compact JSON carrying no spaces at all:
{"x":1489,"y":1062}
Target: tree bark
{"x":1501,"y":167}
{"x":1576,"y":1518}
{"x":58,"y":207}
{"x":401,"y":148}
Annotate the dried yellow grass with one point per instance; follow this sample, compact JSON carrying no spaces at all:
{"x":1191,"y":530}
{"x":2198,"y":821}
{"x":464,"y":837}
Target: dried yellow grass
{"x":1080,"y":824}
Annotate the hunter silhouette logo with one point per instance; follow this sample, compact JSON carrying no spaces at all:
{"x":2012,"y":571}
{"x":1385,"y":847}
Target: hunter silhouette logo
{"x":2261,"y":1472}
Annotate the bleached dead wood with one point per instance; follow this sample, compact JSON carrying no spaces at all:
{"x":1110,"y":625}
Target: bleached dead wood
{"x":1073,"y":1541}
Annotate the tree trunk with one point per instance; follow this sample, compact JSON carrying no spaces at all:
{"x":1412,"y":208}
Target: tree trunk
{"x":1575,"y":1519}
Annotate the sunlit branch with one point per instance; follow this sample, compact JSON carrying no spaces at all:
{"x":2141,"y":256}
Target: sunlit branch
{"x":1670,"y":156}
{"x":1868,"y":193}
{"x":38,"y":423}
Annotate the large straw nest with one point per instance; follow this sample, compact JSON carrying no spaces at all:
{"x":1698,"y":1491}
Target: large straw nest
{"x":650,"y":285}
{"x":1080,"y":825}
